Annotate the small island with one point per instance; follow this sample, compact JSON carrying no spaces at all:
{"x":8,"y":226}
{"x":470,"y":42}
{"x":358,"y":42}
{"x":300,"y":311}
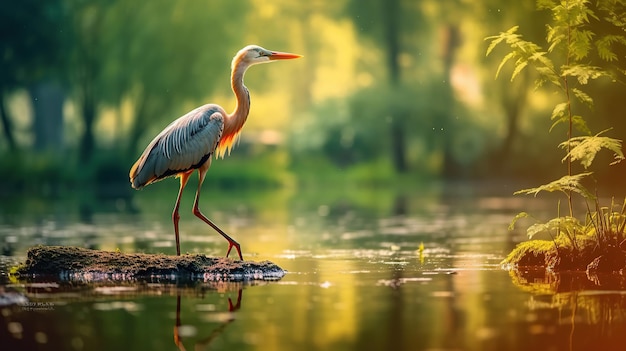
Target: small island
{"x":560,"y":255}
{"x":75,"y":263}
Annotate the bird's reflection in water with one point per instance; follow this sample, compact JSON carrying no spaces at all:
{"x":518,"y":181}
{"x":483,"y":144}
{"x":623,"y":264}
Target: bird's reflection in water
{"x":204,"y":343}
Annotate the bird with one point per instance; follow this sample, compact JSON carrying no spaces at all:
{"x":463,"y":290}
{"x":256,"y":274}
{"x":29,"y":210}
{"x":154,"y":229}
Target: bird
{"x":188,"y":143}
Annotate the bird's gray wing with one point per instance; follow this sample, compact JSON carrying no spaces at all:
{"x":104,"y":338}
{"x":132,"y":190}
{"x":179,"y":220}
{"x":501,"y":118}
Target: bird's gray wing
{"x":184,"y":145}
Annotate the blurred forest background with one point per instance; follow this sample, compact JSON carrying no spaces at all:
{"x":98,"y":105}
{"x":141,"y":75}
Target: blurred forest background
{"x":388,"y":91}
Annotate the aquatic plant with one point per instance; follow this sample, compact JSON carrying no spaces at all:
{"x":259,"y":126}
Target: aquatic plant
{"x":580,"y":33}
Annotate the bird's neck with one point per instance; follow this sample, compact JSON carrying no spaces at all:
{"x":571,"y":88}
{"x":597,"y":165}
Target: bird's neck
{"x":237,"y":118}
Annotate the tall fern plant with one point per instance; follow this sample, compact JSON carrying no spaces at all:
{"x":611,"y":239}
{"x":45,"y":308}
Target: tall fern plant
{"x":572,"y":42}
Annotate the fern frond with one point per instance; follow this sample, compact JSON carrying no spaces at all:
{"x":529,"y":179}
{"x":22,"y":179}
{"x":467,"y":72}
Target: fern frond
{"x":519,"y":67}
{"x":497,"y":39}
{"x":557,"y":122}
{"x":583,"y":97}
{"x":583,"y":72}
{"x":604,"y":46}
{"x":614,"y":12}
{"x":556,"y":40}
{"x":580,"y":43}
{"x":585,"y":148}
{"x":580,"y":124}
{"x":525,"y":53}
{"x":569,"y":225}
{"x":578,"y":12}
{"x":560,"y":110}
{"x":565,"y":184}
{"x":517,"y":218}
{"x":545,"y":4}
{"x":548,"y":74}
{"x":506,"y":58}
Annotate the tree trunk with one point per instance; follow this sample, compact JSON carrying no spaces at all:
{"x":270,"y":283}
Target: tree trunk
{"x":89,"y":114}
{"x":512,"y":111}
{"x":137,"y":127}
{"x":391,"y":16}
{"x":7,"y":126}
{"x":398,"y":149}
{"x":89,"y":68}
{"x":451,"y":41}
{"x":47,"y":98}
{"x":513,"y":101}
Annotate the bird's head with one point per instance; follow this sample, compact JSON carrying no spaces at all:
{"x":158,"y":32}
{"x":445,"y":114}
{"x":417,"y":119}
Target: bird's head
{"x":254,"y":54}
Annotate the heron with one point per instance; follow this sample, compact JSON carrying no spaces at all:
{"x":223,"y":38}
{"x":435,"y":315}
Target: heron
{"x":190,"y":142}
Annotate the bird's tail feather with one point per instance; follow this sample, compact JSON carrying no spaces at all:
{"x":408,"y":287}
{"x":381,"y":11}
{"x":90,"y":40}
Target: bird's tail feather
{"x":137,"y":181}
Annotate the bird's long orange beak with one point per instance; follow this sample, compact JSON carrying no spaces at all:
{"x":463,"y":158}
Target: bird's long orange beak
{"x":277,"y":55}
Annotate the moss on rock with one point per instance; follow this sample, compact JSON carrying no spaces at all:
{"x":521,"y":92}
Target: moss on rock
{"x":74,"y":263}
{"x":561,"y":256}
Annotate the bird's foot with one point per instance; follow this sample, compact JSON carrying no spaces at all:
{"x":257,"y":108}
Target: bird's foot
{"x":236,"y":245}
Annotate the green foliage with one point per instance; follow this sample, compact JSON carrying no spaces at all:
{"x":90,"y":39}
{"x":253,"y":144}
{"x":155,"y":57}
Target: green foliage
{"x":570,"y":37}
{"x":138,"y":56}
{"x":566,"y":227}
{"x":561,"y":114}
{"x":524,"y":53}
{"x":585,"y":148}
{"x":565,"y":184}
{"x":530,"y":253}
{"x":605,"y":44}
{"x":608,"y":224}
{"x":43,"y":174}
{"x":355,"y":131}
{"x":264,"y":171}
{"x":516,"y":218}
{"x":33,"y":40}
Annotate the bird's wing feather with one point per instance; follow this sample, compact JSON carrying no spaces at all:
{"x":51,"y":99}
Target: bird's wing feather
{"x":183,"y":145}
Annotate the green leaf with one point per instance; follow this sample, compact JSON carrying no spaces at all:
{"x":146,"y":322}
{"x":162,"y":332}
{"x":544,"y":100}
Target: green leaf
{"x":497,"y":39}
{"x":548,"y":74}
{"x":517,"y":217}
{"x":565,"y":184}
{"x":557,"y":122}
{"x":525,"y":53}
{"x":519,"y":66}
{"x":545,"y":4}
{"x":604,"y":46}
{"x":560,"y":224}
{"x":555,"y":40}
{"x":580,"y":43}
{"x":582,"y":97}
{"x":537,"y":228}
{"x":585,"y":148}
{"x":579,"y":123}
{"x":559,"y":111}
{"x":583,"y":72}
{"x":508,"y":56}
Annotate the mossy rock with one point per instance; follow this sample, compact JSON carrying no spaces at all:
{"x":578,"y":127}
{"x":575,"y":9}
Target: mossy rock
{"x":561,"y":257}
{"x":75,"y":263}
{"x":534,"y":253}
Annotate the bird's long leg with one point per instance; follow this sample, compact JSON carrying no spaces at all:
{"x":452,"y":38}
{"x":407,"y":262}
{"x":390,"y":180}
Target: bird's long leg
{"x":177,"y":339}
{"x":196,"y":211}
{"x":184,"y":177}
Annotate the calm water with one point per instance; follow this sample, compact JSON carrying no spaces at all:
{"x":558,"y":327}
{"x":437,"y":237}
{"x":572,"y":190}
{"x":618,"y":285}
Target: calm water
{"x":357,"y":279}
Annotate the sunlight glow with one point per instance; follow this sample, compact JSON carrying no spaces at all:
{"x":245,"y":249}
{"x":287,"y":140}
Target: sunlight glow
{"x":335,"y":75}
